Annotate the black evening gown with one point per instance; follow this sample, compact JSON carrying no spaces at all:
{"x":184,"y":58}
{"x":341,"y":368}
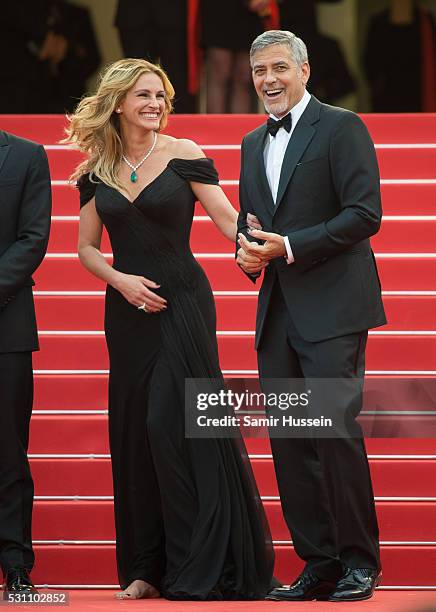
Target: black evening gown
{"x":228,"y":24}
{"x":188,"y":515}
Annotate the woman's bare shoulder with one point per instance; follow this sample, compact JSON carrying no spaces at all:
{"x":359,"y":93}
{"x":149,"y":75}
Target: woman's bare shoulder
{"x":184,"y":148}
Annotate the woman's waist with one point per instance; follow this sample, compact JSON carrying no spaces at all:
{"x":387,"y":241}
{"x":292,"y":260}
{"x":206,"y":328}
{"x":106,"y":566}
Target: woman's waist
{"x":180,"y":268}
{"x":134,"y":259}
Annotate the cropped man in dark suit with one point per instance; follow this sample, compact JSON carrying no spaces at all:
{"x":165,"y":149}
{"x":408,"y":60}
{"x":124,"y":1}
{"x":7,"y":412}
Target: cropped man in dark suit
{"x":310,"y":175}
{"x":25,"y":208}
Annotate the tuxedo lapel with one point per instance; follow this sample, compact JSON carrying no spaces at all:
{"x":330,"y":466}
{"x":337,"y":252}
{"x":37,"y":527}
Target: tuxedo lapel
{"x":260,"y":172}
{"x":4,"y":148}
{"x":298,"y":143}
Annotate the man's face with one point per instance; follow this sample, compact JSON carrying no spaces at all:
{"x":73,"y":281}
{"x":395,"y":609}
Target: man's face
{"x":278,"y":80}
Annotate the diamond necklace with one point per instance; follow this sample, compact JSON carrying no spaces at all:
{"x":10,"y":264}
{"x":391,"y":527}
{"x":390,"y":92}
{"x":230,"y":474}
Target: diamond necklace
{"x":134,"y":176}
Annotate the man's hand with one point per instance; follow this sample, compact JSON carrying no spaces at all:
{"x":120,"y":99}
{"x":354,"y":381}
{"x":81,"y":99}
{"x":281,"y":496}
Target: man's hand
{"x":273,"y":247}
{"x":261,"y":7}
{"x":250,"y":263}
{"x":54,"y":48}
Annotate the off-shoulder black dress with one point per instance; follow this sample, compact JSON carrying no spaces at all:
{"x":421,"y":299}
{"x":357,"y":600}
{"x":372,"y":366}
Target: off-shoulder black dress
{"x":187,"y":511}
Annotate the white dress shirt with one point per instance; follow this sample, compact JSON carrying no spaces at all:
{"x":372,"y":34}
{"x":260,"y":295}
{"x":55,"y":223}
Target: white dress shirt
{"x":274,"y":154}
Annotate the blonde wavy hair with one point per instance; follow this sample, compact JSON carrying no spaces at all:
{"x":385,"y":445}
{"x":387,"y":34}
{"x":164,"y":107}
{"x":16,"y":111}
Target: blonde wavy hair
{"x":94,"y":127}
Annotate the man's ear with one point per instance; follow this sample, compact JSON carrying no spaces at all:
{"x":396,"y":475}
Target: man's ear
{"x":305,"y":72}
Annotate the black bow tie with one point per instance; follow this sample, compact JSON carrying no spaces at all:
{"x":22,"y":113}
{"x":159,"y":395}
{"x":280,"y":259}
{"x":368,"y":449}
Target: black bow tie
{"x":273,"y":126}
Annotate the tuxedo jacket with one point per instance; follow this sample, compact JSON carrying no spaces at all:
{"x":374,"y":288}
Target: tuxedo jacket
{"x":25,"y":212}
{"x":328,"y":204}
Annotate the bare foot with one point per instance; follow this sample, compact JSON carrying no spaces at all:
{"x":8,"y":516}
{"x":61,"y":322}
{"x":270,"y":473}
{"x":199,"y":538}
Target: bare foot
{"x":138,"y":589}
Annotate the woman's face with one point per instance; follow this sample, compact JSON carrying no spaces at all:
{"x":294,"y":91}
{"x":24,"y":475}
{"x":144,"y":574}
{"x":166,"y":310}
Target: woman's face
{"x":144,"y":104}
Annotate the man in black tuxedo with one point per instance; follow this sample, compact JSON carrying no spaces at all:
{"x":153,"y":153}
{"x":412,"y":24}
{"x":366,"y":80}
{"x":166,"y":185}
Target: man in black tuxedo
{"x":25,"y":208}
{"x":310,"y":175}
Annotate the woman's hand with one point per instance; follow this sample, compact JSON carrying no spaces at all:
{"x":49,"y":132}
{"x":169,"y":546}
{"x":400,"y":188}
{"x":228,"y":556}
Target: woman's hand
{"x":137,"y":291}
{"x":253,"y":222}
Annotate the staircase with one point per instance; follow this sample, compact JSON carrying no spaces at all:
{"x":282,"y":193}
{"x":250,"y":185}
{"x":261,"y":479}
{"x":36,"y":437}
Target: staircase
{"x":73,"y":519}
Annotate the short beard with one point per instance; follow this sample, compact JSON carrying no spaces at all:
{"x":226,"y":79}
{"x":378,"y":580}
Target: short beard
{"x":280,"y":109}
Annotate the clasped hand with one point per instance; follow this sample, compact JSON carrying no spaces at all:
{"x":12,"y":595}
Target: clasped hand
{"x":254,"y":257}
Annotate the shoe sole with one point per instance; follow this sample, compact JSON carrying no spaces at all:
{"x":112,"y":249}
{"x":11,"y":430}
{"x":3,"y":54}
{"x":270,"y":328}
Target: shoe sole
{"x":350,"y":598}
{"x":290,"y":600}
{"x":314,"y":598}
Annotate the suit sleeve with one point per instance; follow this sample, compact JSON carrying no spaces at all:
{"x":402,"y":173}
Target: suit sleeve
{"x":244,"y":208}
{"x":356,"y":181}
{"x":22,"y":258}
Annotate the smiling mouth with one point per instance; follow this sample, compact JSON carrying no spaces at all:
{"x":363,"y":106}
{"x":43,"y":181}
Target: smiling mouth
{"x":150,"y":115}
{"x":271,"y":94}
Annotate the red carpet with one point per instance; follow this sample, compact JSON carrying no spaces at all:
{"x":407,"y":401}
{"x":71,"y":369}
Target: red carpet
{"x":73,"y":521}
{"x":90,"y":600}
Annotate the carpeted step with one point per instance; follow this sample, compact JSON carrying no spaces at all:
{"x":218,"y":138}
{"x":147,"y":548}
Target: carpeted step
{"x":77,"y":392}
{"x":77,"y":428}
{"x":88,"y":352}
{"x":234,"y":312}
{"x":394,"y":237}
{"x":417,"y":163}
{"x":78,"y":433}
{"x":391,"y":477}
{"x":397,"y":274}
{"x":223,"y":129}
{"x":398,"y":199}
{"x":400,"y":521}
{"x":87,"y":433}
{"x":95,"y":564}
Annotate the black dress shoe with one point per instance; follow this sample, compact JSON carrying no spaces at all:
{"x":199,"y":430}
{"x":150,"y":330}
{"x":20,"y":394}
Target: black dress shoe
{"x":356,"y":584}
{"x":275,"y":583}
{"x":18,"y":584}
{"x":306,"y":588}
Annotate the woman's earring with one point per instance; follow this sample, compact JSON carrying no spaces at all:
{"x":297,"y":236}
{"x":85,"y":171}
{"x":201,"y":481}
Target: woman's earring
{"x":118,"y":110}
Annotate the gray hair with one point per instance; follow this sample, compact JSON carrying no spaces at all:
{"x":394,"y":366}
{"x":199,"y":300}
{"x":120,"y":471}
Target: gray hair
{"x":281,"y":37}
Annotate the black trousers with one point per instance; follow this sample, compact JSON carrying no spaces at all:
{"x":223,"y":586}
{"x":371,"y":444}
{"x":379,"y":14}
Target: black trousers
{"x":324,"y":483}
{"x":163,"y":40}
{"x":16,"y":484}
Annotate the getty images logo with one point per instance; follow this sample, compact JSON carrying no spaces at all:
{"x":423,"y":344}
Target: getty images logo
{"x":235,"y":400}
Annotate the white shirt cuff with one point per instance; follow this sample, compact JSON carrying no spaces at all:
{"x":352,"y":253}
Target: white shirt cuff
{"x":290,"y":256}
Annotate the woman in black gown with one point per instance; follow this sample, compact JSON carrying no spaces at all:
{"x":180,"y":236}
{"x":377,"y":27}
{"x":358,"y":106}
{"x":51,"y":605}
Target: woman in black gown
{"x":189,"y":520}
{"x":228,"y":28}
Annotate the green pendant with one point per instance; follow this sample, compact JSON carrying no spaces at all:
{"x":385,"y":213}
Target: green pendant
{"x":134,"y":176}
